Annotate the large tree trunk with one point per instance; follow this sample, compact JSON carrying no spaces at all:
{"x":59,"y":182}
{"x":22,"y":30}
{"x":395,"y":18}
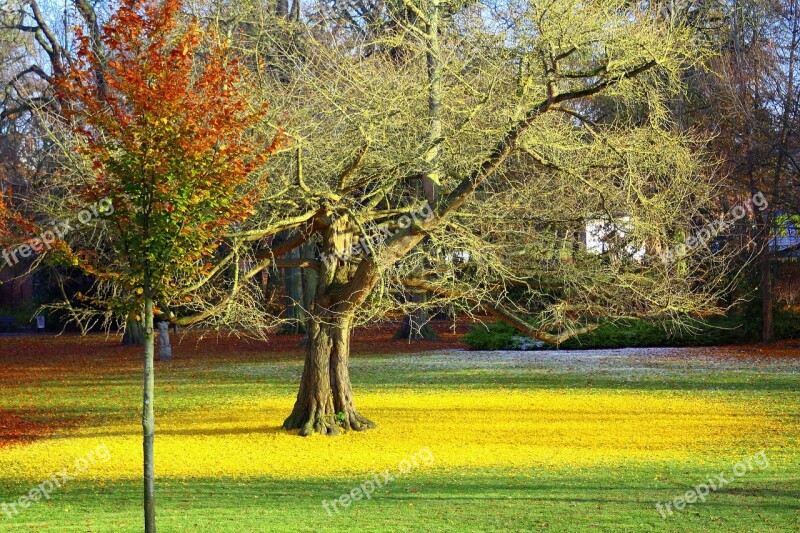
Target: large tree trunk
{"x":325,"y":399}
{"x":148,"y":418}
{"x":314,"y":411}
{"x":342,"y":389}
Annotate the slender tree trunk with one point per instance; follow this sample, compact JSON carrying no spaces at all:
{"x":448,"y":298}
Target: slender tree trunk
{"x":430,"y":182}
{"x":765,"y":287}
{"x":417,"y":326}
{"x":765,"y":266}
{"x":763,"y":227}
{"x":293,"y":290}
{"x":272,"y":290}
{"x":148,"y":417}
{"x":309,"y":281}
{"x":282,"y":8}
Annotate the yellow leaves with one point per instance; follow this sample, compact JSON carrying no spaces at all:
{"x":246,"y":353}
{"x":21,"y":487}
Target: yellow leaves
{"x":464,"y":429}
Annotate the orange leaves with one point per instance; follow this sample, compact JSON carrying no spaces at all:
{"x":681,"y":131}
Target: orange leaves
{"x":166,"y":127}
{"x":26,"y":428}
{"x":4,"y":217}
{"x":12,"y":225}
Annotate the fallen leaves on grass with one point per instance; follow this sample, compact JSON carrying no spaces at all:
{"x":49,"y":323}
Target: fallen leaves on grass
{"x":464,"y":429}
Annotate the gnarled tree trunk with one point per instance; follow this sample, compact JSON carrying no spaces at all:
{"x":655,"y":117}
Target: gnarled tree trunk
{"x":341,"y":387}
{"x":314,"y":410}
{"x":325,"y":399}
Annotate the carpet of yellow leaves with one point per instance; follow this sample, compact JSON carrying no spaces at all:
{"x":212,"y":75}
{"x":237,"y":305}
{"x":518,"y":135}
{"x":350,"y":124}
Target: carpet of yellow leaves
{"x":464,"y":429}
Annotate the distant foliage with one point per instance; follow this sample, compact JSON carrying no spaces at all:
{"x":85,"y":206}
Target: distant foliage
{"x":637,"y":333}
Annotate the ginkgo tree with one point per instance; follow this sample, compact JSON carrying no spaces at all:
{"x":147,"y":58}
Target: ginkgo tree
{"x":461,"y":150}
{"x":161,"y":119}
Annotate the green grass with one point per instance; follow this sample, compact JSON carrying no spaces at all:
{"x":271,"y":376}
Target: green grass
{"x":591,"y":500}
{"x":618,"y":498}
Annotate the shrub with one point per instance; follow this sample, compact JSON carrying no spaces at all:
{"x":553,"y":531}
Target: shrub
{"x":636,"y":333}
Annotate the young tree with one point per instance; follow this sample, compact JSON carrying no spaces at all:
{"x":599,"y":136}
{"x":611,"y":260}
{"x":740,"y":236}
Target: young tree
{"x":164,"y":128}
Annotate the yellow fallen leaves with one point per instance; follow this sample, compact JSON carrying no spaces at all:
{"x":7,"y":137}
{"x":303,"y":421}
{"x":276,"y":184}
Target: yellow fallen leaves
{"x":463,"y":429}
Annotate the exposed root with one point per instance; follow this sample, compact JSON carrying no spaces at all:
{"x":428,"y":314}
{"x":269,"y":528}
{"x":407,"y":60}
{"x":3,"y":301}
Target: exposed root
{"x":356,"y":422}
{"x":315,"y":421}
{"x":312,"y":421}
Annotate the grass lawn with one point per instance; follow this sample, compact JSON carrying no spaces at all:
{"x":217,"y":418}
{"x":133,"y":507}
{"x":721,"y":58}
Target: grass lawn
{"x":473,"y":441}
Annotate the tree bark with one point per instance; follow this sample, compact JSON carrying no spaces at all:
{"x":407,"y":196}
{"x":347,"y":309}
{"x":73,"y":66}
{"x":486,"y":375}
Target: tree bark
{"x":314,"y":410}
{"x":325,"y":400}
{"x":309,"y":281}
{"x":765,"y":288}
{"x":282,"y":8}
{"x":763,"y":228}
{"x":341,"y":387}
{"x":134,"y":332}
{"x":148,"y":418}
{"x":293,"y":289}
{"x":417,"y":325}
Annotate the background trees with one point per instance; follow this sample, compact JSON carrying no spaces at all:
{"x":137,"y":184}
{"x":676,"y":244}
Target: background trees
{"x":745,"y":99}
{"x":762,"y":90}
